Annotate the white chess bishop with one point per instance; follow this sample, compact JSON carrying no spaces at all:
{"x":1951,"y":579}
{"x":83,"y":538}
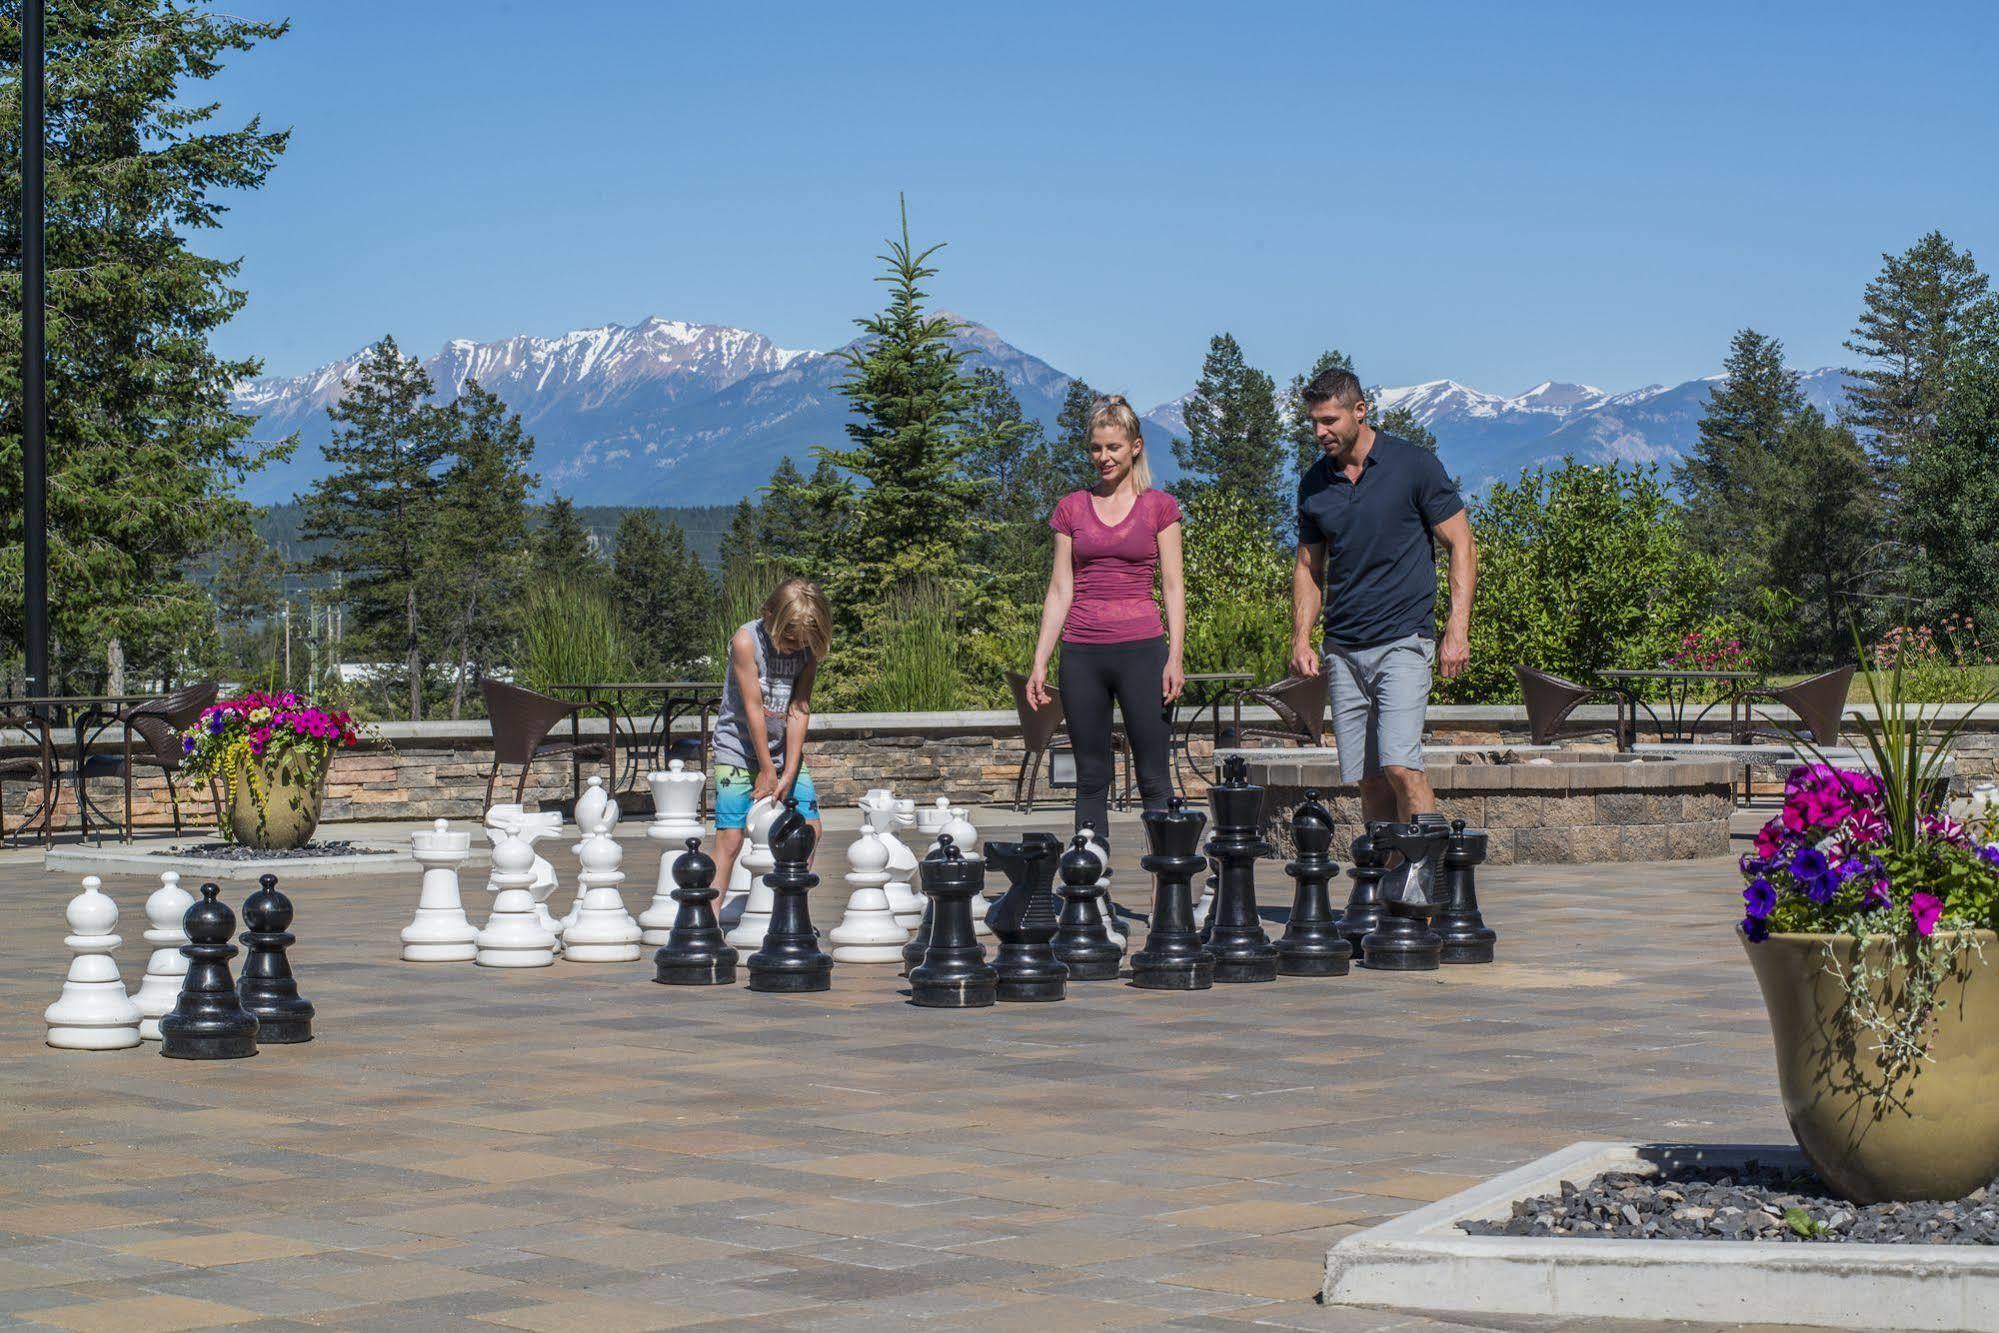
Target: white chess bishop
{"x":676,"y":803}
{"x":868,"y":933}
{"x":93,"y":1013}
{"x":604,"y":932}
{"x":440,"y":932}
{"x":752,"y":864}
{"x":512,"y":936}
{"x":160,"y":987}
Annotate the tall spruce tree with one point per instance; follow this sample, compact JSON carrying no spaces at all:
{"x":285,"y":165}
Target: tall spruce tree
{"x":1727,"y":481}
{"x":378,"y":504}
{"x":1007,"y":452}
{"x":144,"y":449}
{"x":1402,"y":422}
{"x":1305,"y":447}
{"x":1950,"y":501}
{"x":479,"y":560}
{"x":1820,"y":501}
{"x":660,"y":591}
{"x":562,"y":545}
{"x":908,"y":394}
{"x":1069,"y":453}
{"x":1235,"y":438}
{"x":1914,"y":314}
{"x":801,"y":519}
{"x":742,"y":543}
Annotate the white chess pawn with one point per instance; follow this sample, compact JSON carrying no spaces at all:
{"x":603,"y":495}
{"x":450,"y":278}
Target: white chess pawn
{"x":676,"y":796}
{"x":962,"y":833}
{"x":604,"y":931}
{"x":440,"y":932}
{"x":93,"y":1013}
{"x":1115,"y":928}
{"x":754,"y":862}
{"x":502,"y":820}
{"x":868,"y":933}
{"x":1207,"y":901}
{"x":966,"y":839}
{"x":513,"y":937}
{"x":903,"y":899}
{"x":160,"y":987}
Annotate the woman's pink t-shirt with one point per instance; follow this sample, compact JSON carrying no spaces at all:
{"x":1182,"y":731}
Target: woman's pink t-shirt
{"x":1114,"y":567}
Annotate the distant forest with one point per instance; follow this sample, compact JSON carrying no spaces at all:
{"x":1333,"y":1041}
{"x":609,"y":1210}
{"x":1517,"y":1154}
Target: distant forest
{"x":703,"y":524}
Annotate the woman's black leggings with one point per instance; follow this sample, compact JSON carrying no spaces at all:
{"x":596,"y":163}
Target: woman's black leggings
{"x":1093,"y":675}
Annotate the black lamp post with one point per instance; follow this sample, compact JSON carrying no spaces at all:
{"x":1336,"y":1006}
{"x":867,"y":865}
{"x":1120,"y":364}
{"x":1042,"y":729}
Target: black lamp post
{"x":34,"y":391}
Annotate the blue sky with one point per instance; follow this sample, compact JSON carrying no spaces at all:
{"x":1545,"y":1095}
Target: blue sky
{"x":1497,"y":193}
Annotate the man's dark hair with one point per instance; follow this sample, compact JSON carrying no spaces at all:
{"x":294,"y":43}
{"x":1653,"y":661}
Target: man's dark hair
{"x":1334,"y":382}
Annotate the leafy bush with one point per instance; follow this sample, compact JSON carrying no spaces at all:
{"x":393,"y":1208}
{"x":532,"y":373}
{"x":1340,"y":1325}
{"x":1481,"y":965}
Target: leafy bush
{"x":1238,"y":588}
{"x":1581,"y":568}
{"x":570,"y":634}
{"x":1944,"y":663}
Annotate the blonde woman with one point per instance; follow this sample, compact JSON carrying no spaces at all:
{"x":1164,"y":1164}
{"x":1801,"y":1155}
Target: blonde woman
{"x":759,"y":738}
{"x":1110,"y":542}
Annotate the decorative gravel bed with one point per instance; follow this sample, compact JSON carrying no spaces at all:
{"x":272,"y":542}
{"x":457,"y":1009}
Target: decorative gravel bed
{"x":1752,"y":1202}
{"x":234,"y":851}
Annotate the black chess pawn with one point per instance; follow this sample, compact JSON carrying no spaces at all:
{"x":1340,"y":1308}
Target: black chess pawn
{"x":790,"y":961}
{"x":1082,"y":942}
{"x":695,"y":953}
{"x":953,"y":972}
{"x":1024,"y":920}
{"x":266,"y":985}
{"x":1363,"y":910}
{"x":1312,"y":945}
{"x":1173,"y":957}
{"x":1242,"y":951}
{"x":1404,"y":941}
{"x":208,"y":1021}
{"x":1467,"y":939}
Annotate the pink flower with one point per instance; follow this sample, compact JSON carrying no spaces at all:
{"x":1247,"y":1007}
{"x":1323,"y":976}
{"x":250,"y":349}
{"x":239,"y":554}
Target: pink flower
{"x":1926,"y":908}
{"x":1867,"y":827}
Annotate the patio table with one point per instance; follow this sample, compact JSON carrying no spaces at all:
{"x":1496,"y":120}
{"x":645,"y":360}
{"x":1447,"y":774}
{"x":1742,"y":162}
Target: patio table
{"x":663,"y":702}
{"x":1675,"y":728}
{"x":1204,"y":693}
{"x":91,"y":715}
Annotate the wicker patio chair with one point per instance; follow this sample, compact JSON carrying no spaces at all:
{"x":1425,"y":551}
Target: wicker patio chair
{"x":1550,"y":699}
{"x":521,"y":722}
{"x":149,"y":737}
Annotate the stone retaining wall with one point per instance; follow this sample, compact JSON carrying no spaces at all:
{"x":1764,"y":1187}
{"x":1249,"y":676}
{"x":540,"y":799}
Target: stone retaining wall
{"x":1572,"y":812}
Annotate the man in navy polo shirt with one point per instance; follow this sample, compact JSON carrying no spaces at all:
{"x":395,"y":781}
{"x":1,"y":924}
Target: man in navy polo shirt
{"x":1369,"y":511}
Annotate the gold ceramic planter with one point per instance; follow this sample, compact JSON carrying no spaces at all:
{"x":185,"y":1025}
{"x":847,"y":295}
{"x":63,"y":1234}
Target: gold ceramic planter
{"x":1936,"y":1134}
{"x":274,"y":806}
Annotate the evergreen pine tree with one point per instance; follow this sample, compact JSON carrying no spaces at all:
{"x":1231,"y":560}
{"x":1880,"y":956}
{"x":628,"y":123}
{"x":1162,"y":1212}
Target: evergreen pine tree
{"x":908,"y":394}
{"x":1950,"y":501}
{"x":1008,"y":453}
{"x":1235,"y":438}
{"x":1305,"y":446}
{"x":741,"y":546}
{"x":563,"y":548}
{"x":479,"y":555}
{"x":1402,"y":422}
{"x":1820,"y":501}
{"x":1070,"y":451}
{"x":378,"y":505}
{"x":144,"y":447}
{"x":646,"y":567}
{"x":1727,"y":480}
{"x":1914,"y":314}
{"x":801,"y":518}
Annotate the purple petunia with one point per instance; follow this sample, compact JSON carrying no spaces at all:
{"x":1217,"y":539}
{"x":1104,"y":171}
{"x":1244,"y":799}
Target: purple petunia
{"x":1809,"y":863}
{"x":1760,"y":897}
{"x":1756,"y":928}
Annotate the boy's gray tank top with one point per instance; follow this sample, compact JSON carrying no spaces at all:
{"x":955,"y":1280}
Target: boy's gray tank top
{"x":778,"y":673}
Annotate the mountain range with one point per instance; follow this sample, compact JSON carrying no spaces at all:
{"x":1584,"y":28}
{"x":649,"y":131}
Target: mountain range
{"x":672,"y":413}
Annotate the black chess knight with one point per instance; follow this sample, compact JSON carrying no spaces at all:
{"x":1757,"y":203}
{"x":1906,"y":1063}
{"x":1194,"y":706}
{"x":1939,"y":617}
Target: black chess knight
{"x":1024,"y":920}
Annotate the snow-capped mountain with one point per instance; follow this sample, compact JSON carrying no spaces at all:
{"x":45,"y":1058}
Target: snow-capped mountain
{"x":668,"y":412}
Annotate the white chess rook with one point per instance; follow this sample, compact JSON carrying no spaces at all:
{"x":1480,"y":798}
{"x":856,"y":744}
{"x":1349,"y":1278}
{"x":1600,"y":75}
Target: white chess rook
{"x":513,"y":937}
{"x":931,"y":819}
{"x":752,"y":864}
{"x":93,"y":1013}
{"x":676,"y":801}
{"x":440,"y":932}
{"x":604,"y":931}
{"x":160,"y":987}
{"x":868,"y":933}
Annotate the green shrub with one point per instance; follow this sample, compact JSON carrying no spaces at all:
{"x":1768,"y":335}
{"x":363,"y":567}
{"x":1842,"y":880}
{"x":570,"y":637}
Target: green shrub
{"x":1238,"y":589}
{"x":916,"y":645}
{"x":570,"y":634}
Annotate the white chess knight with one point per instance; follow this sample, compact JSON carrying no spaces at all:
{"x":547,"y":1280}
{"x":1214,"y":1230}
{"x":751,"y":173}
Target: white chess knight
{"x":513,"y":937}
{"x":160,"y":987}
{"x":1112,"y":925}
{"x":676,"y":801}
{"x":440,"y":932}
{"x":752,"y":864}
{"x":887,"y":820}
{"x":868,"y":933}
{"x":93,"y":1013}
{"x":511,"y":818}
{"x":604,"y":932}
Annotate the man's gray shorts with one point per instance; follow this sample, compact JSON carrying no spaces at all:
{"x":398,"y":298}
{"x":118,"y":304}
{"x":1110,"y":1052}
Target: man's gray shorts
{"x":1379,"y":697}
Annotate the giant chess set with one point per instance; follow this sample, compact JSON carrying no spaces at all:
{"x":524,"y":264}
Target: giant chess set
{"x":1413,"y":906}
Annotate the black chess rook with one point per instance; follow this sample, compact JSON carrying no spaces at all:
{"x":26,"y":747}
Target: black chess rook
{"x":1082,"y":940}
{"x":1312,"y":945}
{"x":953,"y":972}
{"x":695,"y":953}
{"x":791,"y":961}
{"x":208,"y":1021}
{"x":1243,"y":952}
{"x":1024,"y":920}
{"x":1173,"y":957}
{"x":1467,"y":939}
